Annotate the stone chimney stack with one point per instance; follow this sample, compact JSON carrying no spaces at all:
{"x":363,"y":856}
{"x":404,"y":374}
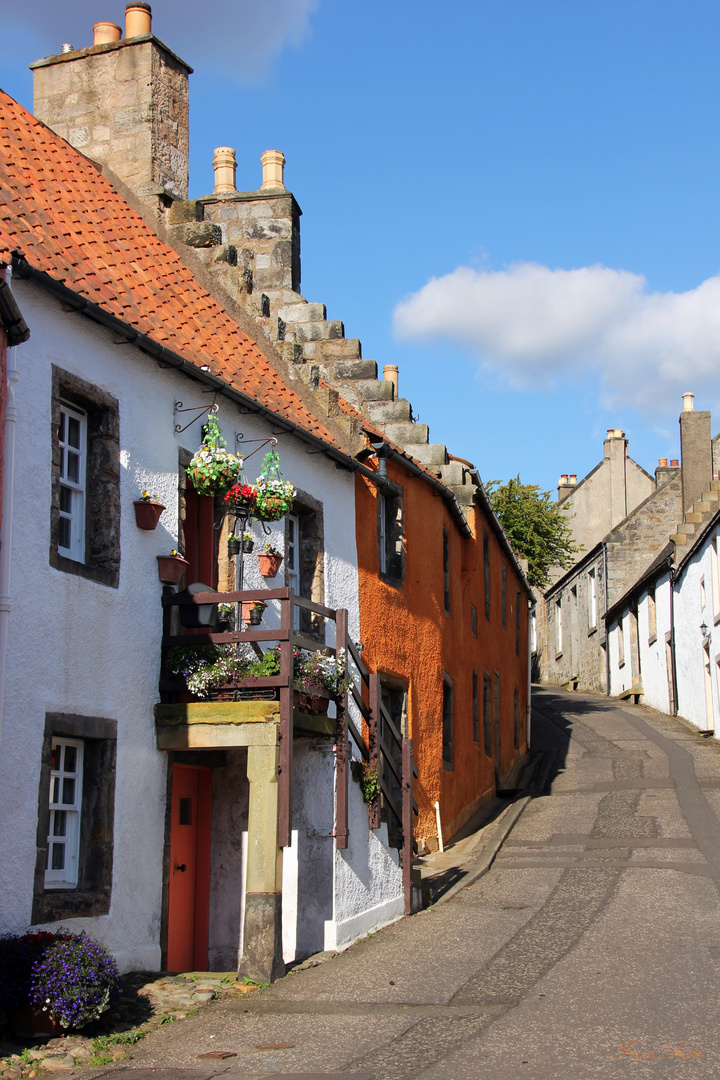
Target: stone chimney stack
{"x":123,"y":103}
{"x":695,"y":452}
{"x":615,"y":447}
{"x":564,"y":487}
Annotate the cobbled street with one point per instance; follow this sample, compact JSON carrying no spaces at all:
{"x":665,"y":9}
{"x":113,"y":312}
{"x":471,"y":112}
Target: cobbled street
{"x":591,"y":948}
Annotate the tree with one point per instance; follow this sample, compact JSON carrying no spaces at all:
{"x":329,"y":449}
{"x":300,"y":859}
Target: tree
{"x":536,"y":527}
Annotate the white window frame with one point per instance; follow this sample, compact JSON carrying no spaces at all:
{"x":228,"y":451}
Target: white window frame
{"x":715,"y":581}
{"x":592,"y":599}
{"x":67,"y":877}
{"x":77,"y":488}
{"x":292,"y":562}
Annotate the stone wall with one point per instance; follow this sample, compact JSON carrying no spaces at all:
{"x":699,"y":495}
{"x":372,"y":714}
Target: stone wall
{"x":633,"y":544}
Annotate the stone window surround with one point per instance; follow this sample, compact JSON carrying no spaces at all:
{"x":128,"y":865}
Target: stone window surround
{"x":102,"y":502}
{"x":393,"y":535}
{"x":91,"y":896}
{"x":311,"y":559}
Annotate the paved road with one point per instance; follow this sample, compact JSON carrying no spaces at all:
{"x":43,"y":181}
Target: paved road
{"x":590,"y":949}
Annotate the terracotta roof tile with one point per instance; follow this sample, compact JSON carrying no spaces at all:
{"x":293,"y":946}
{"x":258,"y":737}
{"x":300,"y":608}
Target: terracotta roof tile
{"x":67,"y":220}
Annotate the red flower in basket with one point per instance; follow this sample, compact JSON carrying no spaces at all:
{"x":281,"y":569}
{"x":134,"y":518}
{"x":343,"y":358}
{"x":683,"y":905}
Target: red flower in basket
{"x":241,"y":493}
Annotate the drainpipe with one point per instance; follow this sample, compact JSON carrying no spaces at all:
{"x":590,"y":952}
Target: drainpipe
{"x":531,"y":604}
{"x":673,"y":663}
{"x":7,"y":511}
{"x":607,"y":639}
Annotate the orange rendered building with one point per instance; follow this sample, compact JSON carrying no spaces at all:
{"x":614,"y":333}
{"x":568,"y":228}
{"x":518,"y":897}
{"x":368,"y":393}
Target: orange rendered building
{"x":444,"y":621}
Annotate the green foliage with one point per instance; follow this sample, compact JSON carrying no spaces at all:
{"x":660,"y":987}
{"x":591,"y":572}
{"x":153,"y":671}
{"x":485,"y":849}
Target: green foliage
{"x":536,"y":527}
{"x":370,"y":783}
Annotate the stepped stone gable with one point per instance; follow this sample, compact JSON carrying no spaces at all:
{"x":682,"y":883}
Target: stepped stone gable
{"x":250,"y":241}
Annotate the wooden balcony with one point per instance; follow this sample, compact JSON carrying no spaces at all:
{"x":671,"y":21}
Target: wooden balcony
{"x":360,"y":716}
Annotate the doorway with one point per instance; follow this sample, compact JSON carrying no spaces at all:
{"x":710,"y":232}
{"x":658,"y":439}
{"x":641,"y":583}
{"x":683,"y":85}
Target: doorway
{"x":189,"y":872}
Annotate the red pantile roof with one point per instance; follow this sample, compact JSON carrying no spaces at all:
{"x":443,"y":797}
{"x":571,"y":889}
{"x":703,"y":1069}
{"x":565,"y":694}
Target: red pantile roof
{"x":67,"y":220}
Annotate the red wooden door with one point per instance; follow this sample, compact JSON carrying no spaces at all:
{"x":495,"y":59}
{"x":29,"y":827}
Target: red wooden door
{"x":200,"y":538}
{"x":189,"y":882}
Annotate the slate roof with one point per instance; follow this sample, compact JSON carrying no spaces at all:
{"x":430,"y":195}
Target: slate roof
{"x":65,"y":218}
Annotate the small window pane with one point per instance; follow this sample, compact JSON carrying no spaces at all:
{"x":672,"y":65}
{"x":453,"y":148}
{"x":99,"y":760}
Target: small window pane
{"x":73,"y":467}
{"x":70,"y":759}
{"x":59,"y":823}
{"x":54,"y":756}
{"x":65,"y":500}
{"x":58,"y":857}
{"x":186,"y":811}
{"x":73,"y":432}
{"x":68,"y":791}
{"x":61,"y":431}
{"x":55,"y":790}
{"x":64,"y":533}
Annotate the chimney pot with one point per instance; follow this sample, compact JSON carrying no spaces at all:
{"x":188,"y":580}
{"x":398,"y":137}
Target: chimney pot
{"x":674,"y":463}
{"x":65,"y":48}
{"x":273,"y":166}
{"x":610,"y":432}
{"x":688,"y":402}
{"x":138,"y":19}
{"x":563,"y":479}
{"x":224,"y":164}
{"x":105,"y":32}
{"x":572,"y":478}
{"x":390,"y":374}
{"x":662,"y":462}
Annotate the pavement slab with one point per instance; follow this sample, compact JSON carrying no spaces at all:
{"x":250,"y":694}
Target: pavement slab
{"x":589,"y":947}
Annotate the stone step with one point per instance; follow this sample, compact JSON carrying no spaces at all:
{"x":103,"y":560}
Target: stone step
{"x":710,"y":497}
{"x":383,"y":412}
{"x":679,"y":538}
{"x":703,"y":507}
{"x":687,"y":527}
{"x":354,"y":369}
{"x":302,"y":312}
{"x":715,"y":485}
{"x":693,"y":517}
{"x":315,"y":331}
{"x":407,"y":432}
{"x":453,"y":474}
{"x":374,"y":389}
{"x":427,"y":453}
{"x":334,"y":349}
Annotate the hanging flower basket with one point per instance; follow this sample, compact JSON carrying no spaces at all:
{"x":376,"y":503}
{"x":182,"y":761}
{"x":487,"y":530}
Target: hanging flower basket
{"x":273,"y":495}
{"x":269,"y":563}
{"x":252,"y":611}
{"x":247,"y":544}
{"x":147,"y":512}
{"x":213,"y":470}
{"x":241,"y":496}
{"x":171,"y":568}
{"x":234,"y":545}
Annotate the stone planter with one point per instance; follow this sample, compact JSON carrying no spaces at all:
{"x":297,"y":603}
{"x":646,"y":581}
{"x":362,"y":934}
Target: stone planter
{"x":252,"y":611}
{"x":171,"y":568}
{"x":147,"y":513}
{"x":269,"y":564}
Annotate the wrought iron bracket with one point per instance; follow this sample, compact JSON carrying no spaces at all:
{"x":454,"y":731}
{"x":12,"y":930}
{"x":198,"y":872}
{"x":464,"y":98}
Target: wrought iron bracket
{"x":198,"y":409}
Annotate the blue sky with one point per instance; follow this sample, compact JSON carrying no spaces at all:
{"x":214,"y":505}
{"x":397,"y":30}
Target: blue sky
{"x":516,"y":201}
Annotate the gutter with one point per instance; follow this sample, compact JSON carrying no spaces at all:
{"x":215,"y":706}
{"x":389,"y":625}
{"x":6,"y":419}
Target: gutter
{"x":146,"y":344}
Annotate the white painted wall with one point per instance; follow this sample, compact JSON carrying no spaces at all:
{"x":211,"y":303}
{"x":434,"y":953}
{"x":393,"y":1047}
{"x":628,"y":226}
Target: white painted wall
{"x":691,"y":609}
{"x":78,"y":646}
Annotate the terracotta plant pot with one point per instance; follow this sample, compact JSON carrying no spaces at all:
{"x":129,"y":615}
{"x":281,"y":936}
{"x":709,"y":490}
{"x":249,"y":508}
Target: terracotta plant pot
{"x":252,"y":611}
{"x":171,"y":568}
{"x":147,"y":513}
{"x":269,"y":564}
{"x":307,"y":703}
{"x":29,"y":1023}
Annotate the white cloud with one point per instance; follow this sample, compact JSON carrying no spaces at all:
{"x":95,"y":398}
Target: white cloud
{"x":238,"y":39}
{"x":530,"y":324}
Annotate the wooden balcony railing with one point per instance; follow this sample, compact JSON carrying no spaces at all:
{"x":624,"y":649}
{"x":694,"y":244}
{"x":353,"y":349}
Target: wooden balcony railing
{"x":380,"y":745}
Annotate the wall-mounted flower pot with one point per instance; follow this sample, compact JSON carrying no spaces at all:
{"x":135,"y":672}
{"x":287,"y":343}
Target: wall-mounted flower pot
{"x":269,"y":564}
{"x":233,"y":547}
{"x":171,"y":568}
{"x":252,"y":611}
{"x":147,"y":513}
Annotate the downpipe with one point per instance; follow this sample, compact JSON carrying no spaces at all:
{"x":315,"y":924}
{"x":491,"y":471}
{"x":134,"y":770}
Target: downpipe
{"x":7,"y":514}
